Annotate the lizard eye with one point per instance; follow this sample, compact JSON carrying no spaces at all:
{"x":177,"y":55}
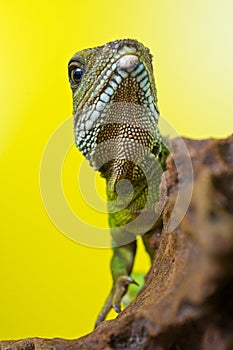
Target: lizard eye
{"x":76,"y":75}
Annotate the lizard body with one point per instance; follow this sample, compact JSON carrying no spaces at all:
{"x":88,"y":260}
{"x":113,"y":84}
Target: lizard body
{"x":115,"y":124}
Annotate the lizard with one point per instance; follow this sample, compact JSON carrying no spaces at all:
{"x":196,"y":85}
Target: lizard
{"x":115,"y":127}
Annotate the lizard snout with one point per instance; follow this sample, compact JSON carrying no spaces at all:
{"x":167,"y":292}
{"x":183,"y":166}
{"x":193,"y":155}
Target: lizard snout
{"x":128,"y":62}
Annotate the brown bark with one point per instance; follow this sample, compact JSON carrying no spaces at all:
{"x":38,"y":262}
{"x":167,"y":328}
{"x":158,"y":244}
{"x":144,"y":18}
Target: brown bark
{"x":186,"y":302}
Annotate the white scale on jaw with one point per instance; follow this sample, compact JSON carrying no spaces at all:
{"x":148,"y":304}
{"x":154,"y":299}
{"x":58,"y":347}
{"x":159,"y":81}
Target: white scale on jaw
{"x":127,"y":65}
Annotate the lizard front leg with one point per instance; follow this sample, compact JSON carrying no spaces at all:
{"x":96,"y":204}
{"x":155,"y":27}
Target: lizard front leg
{"x":121,"y":268}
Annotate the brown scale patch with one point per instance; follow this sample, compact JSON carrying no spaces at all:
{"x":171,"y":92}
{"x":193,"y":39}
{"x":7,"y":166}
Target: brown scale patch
{"x":128,"y":91}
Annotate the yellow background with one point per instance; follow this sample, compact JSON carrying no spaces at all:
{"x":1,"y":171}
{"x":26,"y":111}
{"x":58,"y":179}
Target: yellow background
{"x":50,"y":285}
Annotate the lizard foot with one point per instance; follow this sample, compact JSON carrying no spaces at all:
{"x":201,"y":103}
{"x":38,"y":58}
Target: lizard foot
{"x":114,"y":300}
{"x":119,"y":291}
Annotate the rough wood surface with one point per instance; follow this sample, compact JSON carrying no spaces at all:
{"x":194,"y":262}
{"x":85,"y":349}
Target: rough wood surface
{"x":186,"y":302}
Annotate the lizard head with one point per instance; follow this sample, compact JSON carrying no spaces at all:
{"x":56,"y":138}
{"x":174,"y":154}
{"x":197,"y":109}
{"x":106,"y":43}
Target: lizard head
{"x":114,"y":105}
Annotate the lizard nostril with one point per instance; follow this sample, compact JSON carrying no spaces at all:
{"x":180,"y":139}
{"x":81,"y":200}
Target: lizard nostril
{"x":128,"y":62}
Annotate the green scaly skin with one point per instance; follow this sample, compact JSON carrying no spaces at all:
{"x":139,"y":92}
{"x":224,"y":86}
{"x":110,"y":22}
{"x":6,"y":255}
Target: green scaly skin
{"x":115,"y":123}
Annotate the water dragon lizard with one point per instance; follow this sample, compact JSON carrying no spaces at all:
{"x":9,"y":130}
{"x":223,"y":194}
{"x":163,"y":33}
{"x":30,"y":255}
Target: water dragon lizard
{"x":115,"y":125}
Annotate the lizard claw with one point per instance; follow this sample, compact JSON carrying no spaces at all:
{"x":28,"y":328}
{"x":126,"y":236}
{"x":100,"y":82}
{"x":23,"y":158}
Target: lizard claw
{"x":117,"y":308}
{"x":131,"y":280}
